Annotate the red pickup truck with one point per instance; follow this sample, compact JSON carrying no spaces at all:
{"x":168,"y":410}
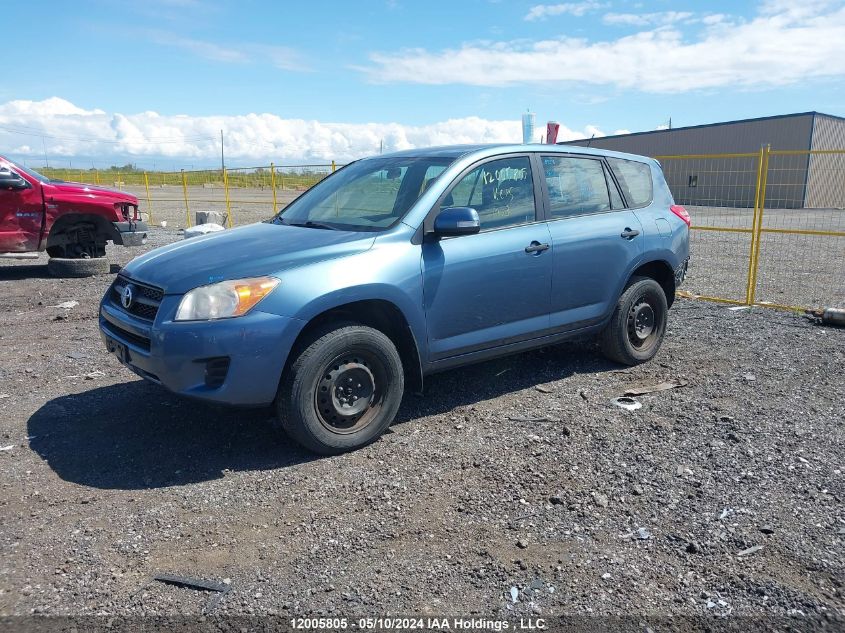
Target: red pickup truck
{"x":71,"y":221}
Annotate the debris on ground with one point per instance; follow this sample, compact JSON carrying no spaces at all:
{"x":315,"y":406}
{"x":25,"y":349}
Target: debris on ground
{"x":4,"y":395}
{"x":514,"y":595}
{"x":202,"y":229}
{"x":7,"y":448}
{"x":629,"y":404}
{"x":67,"y":305}
{"x":192,"y":583}
{"x":543,"y":389}
{"x":751,"y":550}
{"x":641,"y":534}
{"x":827,"y":316}
{"x":220,"y":588}
{"x":641,"y":390}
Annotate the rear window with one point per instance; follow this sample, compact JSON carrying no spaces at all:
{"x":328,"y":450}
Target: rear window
{"x":634,"y":179}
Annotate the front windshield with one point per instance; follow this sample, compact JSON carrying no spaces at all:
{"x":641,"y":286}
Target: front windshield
{"x":369,"y":195}
{"x":31,"y":173}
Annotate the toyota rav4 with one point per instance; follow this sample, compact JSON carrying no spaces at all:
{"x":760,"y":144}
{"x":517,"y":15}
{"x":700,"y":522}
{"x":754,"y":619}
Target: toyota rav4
{"x":402,"y":265}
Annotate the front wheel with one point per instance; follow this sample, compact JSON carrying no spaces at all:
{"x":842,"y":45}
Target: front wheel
{"x":342,"y":391}
{"x":638,"y":324}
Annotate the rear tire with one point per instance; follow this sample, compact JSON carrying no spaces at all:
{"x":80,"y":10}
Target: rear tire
{"x":342,"y":391}
{"x":638,"y":325}
{"x":81,"y":267}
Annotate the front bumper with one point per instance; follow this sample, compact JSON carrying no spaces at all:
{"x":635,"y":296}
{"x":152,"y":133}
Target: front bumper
{"x":130,"y":233}
{"x":233,"y":361}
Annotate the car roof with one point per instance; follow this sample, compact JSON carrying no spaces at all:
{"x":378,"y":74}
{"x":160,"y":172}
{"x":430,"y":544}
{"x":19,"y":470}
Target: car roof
{"x":483,"y":151}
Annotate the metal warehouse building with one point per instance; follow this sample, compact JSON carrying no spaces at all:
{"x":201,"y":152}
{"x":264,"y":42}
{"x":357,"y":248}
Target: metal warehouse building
{"x":794,"y":181}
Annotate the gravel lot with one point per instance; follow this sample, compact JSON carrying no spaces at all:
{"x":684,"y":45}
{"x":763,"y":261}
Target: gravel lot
{"x":513,"y":479}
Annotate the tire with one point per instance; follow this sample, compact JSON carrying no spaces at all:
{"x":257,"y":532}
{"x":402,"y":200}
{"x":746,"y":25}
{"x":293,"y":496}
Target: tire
{"x":638,"y":325}
{"x":342,"y":391}
{"x":78,"y":267}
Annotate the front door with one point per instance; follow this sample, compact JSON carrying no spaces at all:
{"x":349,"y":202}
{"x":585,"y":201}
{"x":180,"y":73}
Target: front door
{"x":595,"y":240}
{"x":491,"y":288}
{"x":21,"y":214}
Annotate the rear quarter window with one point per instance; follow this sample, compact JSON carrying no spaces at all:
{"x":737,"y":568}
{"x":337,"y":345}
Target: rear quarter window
{"x":634,"y":178}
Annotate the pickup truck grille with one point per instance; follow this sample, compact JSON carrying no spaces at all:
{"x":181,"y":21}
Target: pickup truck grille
{"x":145,"y":301}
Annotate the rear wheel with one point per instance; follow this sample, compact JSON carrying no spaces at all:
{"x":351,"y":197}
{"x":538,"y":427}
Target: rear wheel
{"x":342,"y":391}
{"x":78,"y":267}
{"x":638,"y":324}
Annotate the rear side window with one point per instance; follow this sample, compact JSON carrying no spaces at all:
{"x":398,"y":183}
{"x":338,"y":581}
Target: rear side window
{"x":576,"y":186}
{"x":635,"y":180}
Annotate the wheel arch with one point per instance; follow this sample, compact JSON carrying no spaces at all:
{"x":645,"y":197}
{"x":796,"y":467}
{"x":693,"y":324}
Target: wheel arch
{"x":661,"y":271}
{"x":379,"y":314}
{"x":69,"y":220}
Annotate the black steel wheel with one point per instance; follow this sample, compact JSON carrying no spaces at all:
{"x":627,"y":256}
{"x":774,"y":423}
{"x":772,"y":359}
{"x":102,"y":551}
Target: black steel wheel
{"x":342,"y":389}
{"x":349,"y":394}
{"x":638,"y":325}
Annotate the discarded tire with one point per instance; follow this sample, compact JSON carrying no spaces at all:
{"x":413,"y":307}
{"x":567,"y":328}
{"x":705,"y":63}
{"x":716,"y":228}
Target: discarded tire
{"x":63,"y":267}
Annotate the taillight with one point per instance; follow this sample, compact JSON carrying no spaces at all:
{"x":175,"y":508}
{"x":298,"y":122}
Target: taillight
{"x":682,"y":213}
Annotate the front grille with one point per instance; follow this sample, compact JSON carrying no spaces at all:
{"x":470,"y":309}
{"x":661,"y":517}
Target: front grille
{"x":125,"y":335}
{"x":146,"y":299}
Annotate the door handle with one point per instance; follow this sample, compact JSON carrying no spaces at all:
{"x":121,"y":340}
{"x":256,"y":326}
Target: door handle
{"x":536,"y":247}
{"x":629,"y":233}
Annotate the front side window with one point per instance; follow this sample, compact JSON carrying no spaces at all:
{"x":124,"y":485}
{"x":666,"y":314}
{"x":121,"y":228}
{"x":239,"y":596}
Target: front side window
{"x":370,"y":195}
{"x":501,"y":191}
{"x":634,"y":178}
{"x":576,"y":186}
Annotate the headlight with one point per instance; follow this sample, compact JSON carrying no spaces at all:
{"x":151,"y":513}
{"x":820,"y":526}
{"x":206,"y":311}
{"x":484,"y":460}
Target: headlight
{"x":225,"y":299}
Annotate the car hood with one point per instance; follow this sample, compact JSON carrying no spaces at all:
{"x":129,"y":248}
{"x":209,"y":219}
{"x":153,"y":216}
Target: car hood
{"x":249,"y":251}
{"x":77,"y":190}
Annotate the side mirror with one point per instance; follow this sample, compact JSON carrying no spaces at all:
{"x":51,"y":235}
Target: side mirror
{"x":11,"y":181}
{"x":456,"y":221}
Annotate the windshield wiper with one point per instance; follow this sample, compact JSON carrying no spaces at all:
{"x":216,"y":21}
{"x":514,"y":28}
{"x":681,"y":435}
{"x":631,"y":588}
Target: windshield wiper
{"x":312,"y":225}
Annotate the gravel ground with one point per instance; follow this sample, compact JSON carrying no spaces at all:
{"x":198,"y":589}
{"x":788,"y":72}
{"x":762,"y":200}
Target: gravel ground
{"x":512,"y":488}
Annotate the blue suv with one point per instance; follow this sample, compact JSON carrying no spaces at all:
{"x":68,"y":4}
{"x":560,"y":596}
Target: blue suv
{"x":399,"y":266}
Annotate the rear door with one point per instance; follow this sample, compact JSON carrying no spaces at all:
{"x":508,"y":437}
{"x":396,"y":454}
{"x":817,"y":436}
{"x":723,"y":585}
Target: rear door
{"x":491,"y":288}
{"x":21,"y":213}
{"x":595,"y":240}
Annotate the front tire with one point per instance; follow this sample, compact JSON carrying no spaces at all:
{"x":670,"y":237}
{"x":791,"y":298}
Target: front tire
{"x":342,"y":391}
{"x":638,"y":325}
{"x":78,"y":267}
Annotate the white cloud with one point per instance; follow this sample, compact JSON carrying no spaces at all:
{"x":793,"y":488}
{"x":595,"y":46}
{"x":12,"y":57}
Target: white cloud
{"x":206,"y":50}
{"x":281,"y":57}
{"x":70,"y":131}
{"x":781,"y":45}
{"x":578,"y":9}
{"x":646,"y":19}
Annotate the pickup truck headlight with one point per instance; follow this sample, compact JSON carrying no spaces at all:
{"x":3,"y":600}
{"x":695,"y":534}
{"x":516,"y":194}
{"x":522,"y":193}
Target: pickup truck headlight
{"x":225,"y":299}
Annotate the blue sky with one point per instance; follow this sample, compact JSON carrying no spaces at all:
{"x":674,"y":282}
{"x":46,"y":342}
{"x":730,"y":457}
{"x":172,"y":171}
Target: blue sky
{"x":594,"y":66}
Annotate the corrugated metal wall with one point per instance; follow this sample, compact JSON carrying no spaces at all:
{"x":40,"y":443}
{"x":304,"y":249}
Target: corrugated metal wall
{"x":699,"y":182}
{"x":826,"y":175}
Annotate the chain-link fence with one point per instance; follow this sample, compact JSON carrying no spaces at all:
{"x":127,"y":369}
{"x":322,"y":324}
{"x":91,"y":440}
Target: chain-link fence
{"x":243,"y":194}
{"x":768,"y":227}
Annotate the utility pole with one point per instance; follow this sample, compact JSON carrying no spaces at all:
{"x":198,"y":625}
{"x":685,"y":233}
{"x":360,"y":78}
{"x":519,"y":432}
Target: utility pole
{"x":222,"y":160}
{"x":44,"y":149}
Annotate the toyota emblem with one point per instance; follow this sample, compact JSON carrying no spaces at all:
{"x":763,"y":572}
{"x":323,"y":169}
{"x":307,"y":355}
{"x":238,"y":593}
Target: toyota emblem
{"x":126,"y":297}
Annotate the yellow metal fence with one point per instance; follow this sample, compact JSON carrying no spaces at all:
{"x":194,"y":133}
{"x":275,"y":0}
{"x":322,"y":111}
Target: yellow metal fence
{"x":243,"y":194}
{"x":768,"y":227}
